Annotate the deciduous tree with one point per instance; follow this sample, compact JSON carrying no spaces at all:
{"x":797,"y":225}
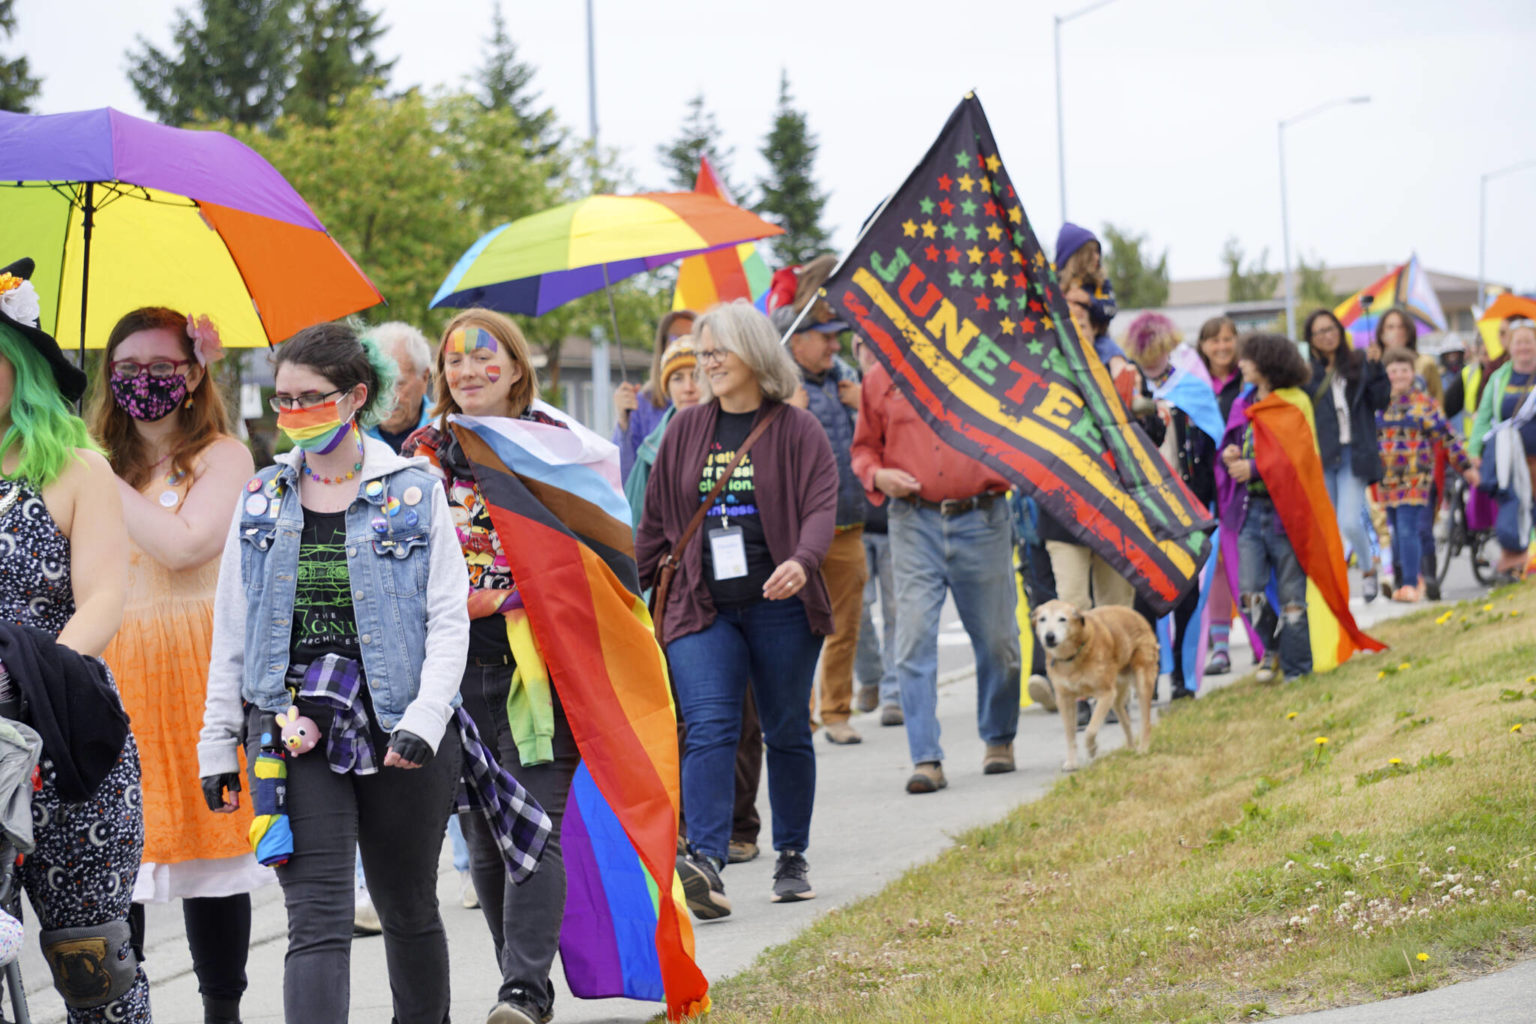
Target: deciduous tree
{"x":1251,"y":281}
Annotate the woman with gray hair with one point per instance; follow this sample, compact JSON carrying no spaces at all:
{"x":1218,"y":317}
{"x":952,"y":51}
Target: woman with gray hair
{"x":741,"y":502}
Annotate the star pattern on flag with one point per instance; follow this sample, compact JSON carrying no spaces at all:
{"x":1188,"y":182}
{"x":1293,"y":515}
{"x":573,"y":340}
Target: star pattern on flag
{"x":909,"y":228}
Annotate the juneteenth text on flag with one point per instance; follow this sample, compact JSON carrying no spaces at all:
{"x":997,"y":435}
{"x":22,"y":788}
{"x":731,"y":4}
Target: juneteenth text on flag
{"x":951,"y":289}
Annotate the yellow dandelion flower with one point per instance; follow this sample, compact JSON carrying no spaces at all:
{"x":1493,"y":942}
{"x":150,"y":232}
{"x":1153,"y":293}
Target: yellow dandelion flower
{"x":1488,"y":607}
{"x":1404,"y":667}
{"x":1321,"y":741}
{"x":1290,"y":715}
{"x":1394,"y":760}
{"x":1518,"y":726}
{"x":1530,"y":679}
{"x":1513,"y":612}
{"x":1382,"y":674}
{"x":1423,"y":957}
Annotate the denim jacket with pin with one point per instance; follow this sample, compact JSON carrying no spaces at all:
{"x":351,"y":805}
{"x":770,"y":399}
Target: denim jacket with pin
{"x":408,"y":581}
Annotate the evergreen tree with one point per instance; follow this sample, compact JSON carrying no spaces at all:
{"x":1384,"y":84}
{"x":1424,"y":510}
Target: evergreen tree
{"x":233,"y":64}
{"x":505,"y":83}
{"x":700,"y":137}
{"x":336,"y":57}
{"x":1248,"y":282}
{"x":1139,"y":282}
{"x":17,"y":85}
{"x":790,"y":197}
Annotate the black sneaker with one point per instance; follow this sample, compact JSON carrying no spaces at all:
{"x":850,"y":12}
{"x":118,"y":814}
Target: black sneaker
{"x":789,"y":882}
{"x":519,"y":1007}
{"x":702,"y":888}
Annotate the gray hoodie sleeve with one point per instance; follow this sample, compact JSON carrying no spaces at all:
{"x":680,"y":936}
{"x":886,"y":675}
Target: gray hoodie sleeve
{"x":447,"y":630}
{"x":220,"y":738}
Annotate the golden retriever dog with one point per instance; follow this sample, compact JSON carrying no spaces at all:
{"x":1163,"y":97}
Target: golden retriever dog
{"x":1098,"y":654}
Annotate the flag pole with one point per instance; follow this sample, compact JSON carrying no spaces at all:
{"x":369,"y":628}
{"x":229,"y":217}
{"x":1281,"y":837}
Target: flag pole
{"x":822,"y":293}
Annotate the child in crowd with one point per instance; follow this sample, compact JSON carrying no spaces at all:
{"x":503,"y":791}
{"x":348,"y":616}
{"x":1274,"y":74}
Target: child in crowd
{"x":1407,"y":430}
{"x":1080,"y":271}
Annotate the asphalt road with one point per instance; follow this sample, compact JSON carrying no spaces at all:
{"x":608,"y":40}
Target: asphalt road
{"x":858,"y":846}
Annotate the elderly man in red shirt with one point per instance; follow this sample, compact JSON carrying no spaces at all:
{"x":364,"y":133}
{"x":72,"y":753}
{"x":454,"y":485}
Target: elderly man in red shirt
{"x":949,"y":530}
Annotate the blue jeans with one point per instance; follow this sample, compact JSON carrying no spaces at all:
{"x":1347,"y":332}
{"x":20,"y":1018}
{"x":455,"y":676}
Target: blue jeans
{"x":769,"y":646}
{"x":1262,"y":547}
{"x":1407,"y":539}
{"x":876,"y":661}
{"x":460,"y":847}
{"x":1347,"y":492}
{"x":971,"y":556}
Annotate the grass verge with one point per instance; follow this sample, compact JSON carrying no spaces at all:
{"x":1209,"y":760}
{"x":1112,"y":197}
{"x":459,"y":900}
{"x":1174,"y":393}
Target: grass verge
{"x":1361,"y":834}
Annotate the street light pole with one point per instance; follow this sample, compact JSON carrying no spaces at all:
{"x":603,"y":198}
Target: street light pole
{"x":1285,"y":218}
{"x":1482,"y":222}
{"x":1059,"y":20}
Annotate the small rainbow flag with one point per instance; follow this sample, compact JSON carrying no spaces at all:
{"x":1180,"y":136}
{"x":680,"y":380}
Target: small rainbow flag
{"x":1408,"y":287}
{"x":735,"y":272}
{"x":555,"y":487}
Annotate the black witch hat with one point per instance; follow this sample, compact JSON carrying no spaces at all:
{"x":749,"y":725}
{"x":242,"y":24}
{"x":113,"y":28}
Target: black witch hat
{"x":70,"y":378}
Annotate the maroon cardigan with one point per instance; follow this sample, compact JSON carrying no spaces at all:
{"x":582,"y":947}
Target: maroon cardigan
{"x":796,"y":478}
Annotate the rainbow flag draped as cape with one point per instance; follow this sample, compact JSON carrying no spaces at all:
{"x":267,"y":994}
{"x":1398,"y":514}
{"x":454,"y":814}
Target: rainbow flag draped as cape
{"x":553,"y":492}
{"x":735,"y":272}
{"x":1285,"y":450}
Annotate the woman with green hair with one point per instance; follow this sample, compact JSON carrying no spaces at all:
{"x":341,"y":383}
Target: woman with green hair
{"x":59,"y":508}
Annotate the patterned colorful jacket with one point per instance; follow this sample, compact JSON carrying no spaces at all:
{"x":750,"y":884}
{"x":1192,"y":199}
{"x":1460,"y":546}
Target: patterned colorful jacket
{"x":1407,"y":429}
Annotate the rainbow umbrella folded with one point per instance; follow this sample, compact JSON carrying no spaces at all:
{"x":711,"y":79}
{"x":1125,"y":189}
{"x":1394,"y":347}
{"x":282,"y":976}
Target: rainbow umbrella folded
{"x":1407,"y":287}
{"x":120,"y":212}
{"x":735,"y":272}
{"x":542,"y":261}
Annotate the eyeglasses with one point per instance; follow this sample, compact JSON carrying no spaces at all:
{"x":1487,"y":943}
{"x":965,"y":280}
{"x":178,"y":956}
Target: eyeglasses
{"x":129,"y":369}
{"x":708,"y":356}
{"x":1324,"y":329}
{"x":308,"y":400}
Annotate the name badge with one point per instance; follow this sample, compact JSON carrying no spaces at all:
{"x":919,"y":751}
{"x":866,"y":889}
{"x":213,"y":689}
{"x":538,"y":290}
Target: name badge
{"x":728,"y":551}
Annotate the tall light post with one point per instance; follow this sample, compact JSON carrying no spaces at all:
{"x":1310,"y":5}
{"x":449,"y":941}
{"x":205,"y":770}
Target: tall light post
{"x":1285,"y":217}
{"x":1061,"y":144}
{"x":1482,"y":221}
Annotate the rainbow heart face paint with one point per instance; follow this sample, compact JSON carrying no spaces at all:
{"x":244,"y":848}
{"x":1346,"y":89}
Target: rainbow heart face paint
{"x":492,"y":372}
{"x":318,"y":429}
{"x":465,"y":340}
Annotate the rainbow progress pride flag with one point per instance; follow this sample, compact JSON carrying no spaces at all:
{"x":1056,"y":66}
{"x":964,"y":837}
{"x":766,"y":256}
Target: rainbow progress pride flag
{"x":553,"y":492}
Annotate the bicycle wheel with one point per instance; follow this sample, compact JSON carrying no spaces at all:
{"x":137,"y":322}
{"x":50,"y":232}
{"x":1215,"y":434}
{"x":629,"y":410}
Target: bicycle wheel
{"x":1455,"y":539}
{"x":1482,"y":566}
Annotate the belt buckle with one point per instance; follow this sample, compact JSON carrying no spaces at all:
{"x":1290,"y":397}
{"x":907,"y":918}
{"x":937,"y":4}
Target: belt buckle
{"x":953,"y":506}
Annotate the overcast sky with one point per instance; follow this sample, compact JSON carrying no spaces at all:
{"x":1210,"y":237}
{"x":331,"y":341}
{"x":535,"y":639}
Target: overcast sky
{"x":1171,"y":105}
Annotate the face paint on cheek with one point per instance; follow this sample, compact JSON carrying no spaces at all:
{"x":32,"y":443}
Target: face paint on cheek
{"x":492,"y":372}
{"x":465,"y":340}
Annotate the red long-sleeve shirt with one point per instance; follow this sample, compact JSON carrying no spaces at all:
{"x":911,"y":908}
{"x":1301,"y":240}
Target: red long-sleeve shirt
{"x":892,"y":435}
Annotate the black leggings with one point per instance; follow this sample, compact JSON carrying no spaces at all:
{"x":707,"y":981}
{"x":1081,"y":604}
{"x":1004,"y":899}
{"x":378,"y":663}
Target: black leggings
{"x":219,"y":936}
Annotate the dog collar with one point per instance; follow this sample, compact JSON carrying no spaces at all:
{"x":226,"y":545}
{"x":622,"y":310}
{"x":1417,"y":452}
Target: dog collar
{"x":1055,"y":659}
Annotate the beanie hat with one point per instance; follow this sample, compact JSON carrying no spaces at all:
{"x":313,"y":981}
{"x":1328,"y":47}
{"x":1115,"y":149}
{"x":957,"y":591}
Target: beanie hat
{"x":1070,"y":239}
{"x":678,"y":356}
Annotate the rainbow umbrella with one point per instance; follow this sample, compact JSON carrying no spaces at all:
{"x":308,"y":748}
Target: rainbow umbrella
{"x":1502,"y":308}
{"x":1406,"y":287}
{"x":121,"y":213}
{"x":543,"y":261}
{"x":735,"y":272}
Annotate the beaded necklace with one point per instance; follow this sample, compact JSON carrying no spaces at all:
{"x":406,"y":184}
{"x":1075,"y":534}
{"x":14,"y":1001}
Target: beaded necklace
{"x":357,"y":467}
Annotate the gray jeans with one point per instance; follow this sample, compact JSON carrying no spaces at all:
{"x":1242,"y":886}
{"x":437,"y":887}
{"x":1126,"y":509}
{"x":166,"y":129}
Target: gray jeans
{"x":524,"y":919}
{"x":876,"y":662}
{"x":395,"y":818}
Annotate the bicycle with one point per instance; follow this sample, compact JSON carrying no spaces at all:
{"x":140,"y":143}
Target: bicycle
{"x":1461,"y":536}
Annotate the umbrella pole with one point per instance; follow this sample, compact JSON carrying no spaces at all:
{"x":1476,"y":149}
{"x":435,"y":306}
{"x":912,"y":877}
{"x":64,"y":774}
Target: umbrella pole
{"x":613,"y":315}
{"x":85,"y":263}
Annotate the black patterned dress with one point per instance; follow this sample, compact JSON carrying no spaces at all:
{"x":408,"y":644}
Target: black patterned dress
{"x":87,"y":855}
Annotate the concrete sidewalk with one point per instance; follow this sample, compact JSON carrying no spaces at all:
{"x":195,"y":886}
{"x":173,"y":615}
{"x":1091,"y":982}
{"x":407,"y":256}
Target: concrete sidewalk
{"x":866,"y":832}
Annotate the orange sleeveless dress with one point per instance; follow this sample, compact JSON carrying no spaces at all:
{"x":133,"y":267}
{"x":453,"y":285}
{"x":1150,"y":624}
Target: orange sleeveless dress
{"x":160,"y":661}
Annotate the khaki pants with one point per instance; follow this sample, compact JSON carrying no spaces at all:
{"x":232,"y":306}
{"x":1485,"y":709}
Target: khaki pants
{"x":845,"y":570}
{"x":1076,"y":566}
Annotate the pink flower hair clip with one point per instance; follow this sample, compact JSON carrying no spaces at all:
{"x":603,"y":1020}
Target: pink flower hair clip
{"x":206,"y":345}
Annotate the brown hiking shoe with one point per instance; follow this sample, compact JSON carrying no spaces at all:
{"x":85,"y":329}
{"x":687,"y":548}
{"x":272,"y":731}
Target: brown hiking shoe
{"x":927,"y":777}
{"x":841,"y":733}
{"x":998,"y":759}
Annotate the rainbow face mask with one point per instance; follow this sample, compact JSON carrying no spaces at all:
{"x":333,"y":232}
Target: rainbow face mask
{"x":318,"y":429}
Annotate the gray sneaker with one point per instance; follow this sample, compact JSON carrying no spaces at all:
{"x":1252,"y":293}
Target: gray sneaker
{"x":891,"y":715}
{"x":789,"y":882}
{"x":1269,"y":668}
{"x":702,"y":888}
{"x":1042,"y":693}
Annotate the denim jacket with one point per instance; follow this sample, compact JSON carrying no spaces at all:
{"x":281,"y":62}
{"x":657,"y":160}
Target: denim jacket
{"x":408,"y":584}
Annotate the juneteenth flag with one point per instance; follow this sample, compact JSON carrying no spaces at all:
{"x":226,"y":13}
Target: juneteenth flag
{"x":952,"y":291}
{"x":554,"y":489}
{"x":724,"y":275}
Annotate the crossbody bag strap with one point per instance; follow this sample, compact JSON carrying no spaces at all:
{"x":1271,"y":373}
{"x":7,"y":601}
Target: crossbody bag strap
{"x":676,"y":557}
